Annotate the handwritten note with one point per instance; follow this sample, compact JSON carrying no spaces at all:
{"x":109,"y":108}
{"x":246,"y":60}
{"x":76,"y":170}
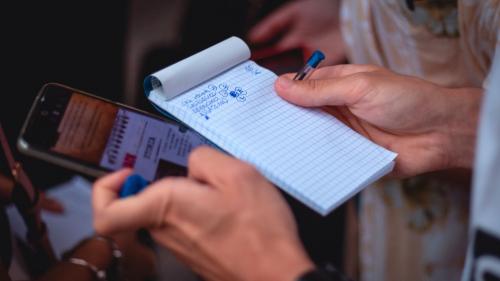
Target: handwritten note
{"x":212,"y":98}
{"x":306,"y":152}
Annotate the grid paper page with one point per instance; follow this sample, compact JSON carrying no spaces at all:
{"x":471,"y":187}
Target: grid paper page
{"x":306,"y":152}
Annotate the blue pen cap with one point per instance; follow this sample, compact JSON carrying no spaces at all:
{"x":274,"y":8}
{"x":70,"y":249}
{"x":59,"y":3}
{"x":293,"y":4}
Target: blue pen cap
{"x":133,"y":185}
{"x":316,"y":58}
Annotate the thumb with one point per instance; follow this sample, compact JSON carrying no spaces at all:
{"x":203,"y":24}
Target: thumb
{"x":317,"y":93}
{"x":170,"y":197}
{"x":333,"y":85}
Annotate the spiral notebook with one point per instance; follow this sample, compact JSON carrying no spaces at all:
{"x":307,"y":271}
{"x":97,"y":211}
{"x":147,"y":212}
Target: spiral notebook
{"x":231,"y":101}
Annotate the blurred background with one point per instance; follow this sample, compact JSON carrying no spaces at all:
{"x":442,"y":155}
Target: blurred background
{"x":107,"y":48}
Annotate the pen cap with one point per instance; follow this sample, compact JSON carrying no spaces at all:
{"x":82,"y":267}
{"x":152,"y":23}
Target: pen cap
{"x":133,"y":185}
{"x":196,"y":69}
{"x":315,"y":58}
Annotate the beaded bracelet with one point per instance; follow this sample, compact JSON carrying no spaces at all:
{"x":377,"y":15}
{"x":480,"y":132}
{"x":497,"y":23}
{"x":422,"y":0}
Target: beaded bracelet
{"x":99,"y":273}
{"x":115,"y":270}
{"x":115,"y":250}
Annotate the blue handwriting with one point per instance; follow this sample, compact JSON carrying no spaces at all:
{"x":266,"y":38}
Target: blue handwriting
{"x":212,"y":98}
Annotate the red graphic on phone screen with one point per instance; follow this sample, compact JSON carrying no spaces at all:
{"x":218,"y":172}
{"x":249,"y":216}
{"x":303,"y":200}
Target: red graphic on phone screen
{"x":129,"y":160}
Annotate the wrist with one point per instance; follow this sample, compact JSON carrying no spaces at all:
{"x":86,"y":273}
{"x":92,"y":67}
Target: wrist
{"x":298,"y":268}
{"x":285,"y":262}
{"x":326,"y":272}
{"x":95,"y":252}
{"x":460,"y":130}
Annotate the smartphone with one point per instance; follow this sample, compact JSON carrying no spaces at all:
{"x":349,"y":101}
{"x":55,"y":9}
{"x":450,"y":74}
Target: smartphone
{"x":94,"y":136}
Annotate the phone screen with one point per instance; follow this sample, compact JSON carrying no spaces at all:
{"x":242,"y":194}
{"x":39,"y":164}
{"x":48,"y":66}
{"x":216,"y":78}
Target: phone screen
{"x":108,"y":136}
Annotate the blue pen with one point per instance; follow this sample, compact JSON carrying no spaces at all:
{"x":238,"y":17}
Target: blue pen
{"x":133,"y":185}
{"x":311,"y":64}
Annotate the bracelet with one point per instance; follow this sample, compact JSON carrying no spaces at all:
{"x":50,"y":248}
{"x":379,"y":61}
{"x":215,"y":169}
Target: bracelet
{"x":115,"y":269}
{"x":112,"y":272}
{"x":115,"y":250}
{"x":99,"y":273}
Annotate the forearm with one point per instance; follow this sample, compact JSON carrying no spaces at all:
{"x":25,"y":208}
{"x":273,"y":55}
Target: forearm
{"x":63,"y":271}
{"x":6,"y":186}
{"x":286,"y":262}
{"x":92,"y":251}
{"x":462,"y":115}
{"x":4,"y":274}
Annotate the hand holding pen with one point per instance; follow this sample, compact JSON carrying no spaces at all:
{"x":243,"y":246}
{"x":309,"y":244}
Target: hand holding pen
{"x":311,"y":64}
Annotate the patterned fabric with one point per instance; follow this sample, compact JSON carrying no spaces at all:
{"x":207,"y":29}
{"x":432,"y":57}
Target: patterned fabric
{"x":483,"y":257}
{"x":413,"y":230}
{"x":417,"y":229}
{"x":388,"y":33}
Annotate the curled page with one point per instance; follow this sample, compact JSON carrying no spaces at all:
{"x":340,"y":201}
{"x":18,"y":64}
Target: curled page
{"x":307,"y":152}
{"x":196,"y":69}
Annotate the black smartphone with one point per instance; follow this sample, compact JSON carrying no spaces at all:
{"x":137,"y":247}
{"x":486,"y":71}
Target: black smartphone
{"x":94,"y":136}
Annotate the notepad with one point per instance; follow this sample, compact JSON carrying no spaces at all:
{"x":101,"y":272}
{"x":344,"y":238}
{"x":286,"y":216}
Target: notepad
{"x":306,"y":152}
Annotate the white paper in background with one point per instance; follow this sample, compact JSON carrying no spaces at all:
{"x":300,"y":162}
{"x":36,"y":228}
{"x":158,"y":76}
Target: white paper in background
{"x":65,"y":230}
{"x":200,"y":67}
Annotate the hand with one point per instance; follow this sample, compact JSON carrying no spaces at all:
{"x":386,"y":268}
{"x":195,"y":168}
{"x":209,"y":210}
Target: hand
{"x":225,"y":220}
{"x":46,"y":203}
{"x":50,"y":204}
{"x":308,"y":24}
{"x":430,"y":127}
{"x":137,"y":262}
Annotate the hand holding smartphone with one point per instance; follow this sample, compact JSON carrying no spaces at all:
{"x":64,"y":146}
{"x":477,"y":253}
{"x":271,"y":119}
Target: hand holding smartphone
{"x":94,"y":136}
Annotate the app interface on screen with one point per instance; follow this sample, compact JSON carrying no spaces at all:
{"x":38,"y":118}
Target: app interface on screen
{"x":111,"y":137}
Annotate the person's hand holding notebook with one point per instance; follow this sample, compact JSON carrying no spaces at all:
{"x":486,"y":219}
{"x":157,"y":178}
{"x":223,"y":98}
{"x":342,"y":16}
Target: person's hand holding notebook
{"x":231,"y":101}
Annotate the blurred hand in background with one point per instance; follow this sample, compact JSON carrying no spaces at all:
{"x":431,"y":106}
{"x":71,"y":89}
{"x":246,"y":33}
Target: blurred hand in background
{"x":305,"y":24}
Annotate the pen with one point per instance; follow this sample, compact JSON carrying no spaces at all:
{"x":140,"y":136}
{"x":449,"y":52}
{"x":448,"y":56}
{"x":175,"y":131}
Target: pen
{"x":310,"y":65}
{"x":133,"y":185}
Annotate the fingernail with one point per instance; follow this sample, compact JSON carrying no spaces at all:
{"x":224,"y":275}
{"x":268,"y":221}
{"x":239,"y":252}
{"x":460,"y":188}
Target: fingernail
{"x":285,"y":82}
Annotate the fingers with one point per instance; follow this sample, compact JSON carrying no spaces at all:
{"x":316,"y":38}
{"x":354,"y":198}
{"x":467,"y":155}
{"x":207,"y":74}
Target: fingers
{"x":290,"y":41}
{"x":106,"y":189}
{"x":51,"y":205}
{"x":339,"y":71}
{"x":315,"y":93}
{"x":336,"y":85}
{"x":342,"y":70}
{"x":152,"y":208}
{"x":272,"y":25}
{"x":216,"y":168}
